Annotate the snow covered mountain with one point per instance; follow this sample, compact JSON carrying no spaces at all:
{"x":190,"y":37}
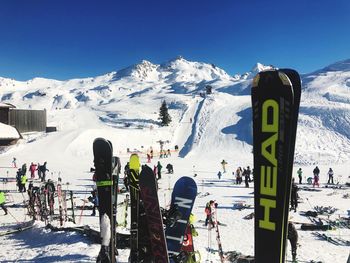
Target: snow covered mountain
{"x":130,"y":98}
{"x":123,"y":106}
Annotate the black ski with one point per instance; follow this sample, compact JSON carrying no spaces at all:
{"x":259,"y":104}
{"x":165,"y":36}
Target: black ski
{"x":103,"y":152}
{"x":275,"y":115}
{"x":72,"y":205}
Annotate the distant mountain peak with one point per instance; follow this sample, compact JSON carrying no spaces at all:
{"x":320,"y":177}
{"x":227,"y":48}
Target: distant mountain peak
{"x":261,"y":67}
{"x":140,"y":70}
{"x":177,"y":58}
{"x":258,"y":67}
{"x":343,"y":65}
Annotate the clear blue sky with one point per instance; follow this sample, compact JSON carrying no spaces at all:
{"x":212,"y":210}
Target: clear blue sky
{"x":80,"y":38}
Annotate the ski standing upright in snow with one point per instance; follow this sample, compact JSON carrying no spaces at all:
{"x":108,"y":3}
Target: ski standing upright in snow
{"x":60,"y":201}
{"x":218,"y":237}
{"x":275,"y":102}
{"x":103,"y":152}
{"x":133,"y":175}
{"x":72,"y":205}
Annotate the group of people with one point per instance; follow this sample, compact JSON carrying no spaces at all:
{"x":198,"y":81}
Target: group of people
{"x":162,"y":154}
{"x":41,"y":171}
{"x":21,"y":175}
{"x":240,"y":173}
{"x":315,"y":181}
{"x":245,"y":173}
{"x":21,"y":178}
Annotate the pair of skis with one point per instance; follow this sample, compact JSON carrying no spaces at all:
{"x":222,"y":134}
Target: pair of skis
{"x":275,"y":102}
{"x":107,"y":170}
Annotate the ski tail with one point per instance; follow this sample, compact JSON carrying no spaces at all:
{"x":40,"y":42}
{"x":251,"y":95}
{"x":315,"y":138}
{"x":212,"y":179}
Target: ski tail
{"x":275,"y":107}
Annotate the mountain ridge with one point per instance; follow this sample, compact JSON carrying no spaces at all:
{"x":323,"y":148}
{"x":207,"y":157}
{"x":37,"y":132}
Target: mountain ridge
{"x":132,"y":96}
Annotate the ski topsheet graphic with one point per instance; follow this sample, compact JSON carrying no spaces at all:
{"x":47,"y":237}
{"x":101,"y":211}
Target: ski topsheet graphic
{"x":275,"y":114}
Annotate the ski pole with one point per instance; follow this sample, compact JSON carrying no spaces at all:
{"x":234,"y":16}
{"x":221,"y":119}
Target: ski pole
{"x":12,"y":215}
{"x":307,"y":199}
{"x":24,"y":202}
{"x":81,"y":213}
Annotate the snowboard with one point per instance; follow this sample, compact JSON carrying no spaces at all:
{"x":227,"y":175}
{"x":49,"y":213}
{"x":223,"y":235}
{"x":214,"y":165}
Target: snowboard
{"x":183,"y":197}
{"x":103,"y":152}
{"x":275,"y":113}
{"x":149,"y":196}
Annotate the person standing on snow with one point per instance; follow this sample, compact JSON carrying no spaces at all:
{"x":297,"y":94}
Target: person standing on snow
{"x":32,"y":169}
{"x":294,"y":196}
{"x":24,"y":168}
{"x":300,"y":175}
{"x":94,"y":200}
{"x":14,"y":162}
{"x":330,"y":176}
{"x":239,"y":175}
{"x":39,"y":171}
{"x":159,"y":170}
{"x":18,"y":179}
{"x":24,"y":180}
{"x":43,"y":170}
{"x":2,"y":201}
{"x":316,"y":172}
{"x":223,"y":163}
{"x":293,"y":239}
{"x":209,"y":211}
{"x":246,"y":177}
{"x":219,"y":175}
{"x":248,"y":173}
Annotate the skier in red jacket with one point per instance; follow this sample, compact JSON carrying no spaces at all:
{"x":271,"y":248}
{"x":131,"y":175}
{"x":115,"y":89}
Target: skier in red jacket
{"x":32,"y":169}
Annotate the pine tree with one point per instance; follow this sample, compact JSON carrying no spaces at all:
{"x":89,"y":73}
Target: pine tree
{"x":164,"y":115}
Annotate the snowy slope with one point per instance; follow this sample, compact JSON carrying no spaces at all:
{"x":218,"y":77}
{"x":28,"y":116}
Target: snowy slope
{"x":324,"y":106}
{"x":123,"y":107}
